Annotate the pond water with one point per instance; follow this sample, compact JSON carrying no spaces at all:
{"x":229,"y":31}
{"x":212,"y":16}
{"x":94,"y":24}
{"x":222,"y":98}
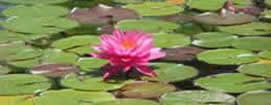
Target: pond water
{"x":218,"y":52}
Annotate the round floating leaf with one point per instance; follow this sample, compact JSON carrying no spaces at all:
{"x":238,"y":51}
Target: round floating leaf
{"x":265,"y":54}
{"x":6,"y":36}
{"x":25,"y":54}
{"x":256,"y":69}
{"x":255,"y":28}
{"x":245,"y":43}
{"x":197,"y":98}
{"x":170,"y":72}
{"x":12,"y":49}
{"x":16,"y":100}
{"x":58,"y":56}
{"x":147,"y":25}
{"x":267,"y":14}
{"x":145,"y":90}
{"x":82,"y":50}
{"x":207,"y":4}
{"x":129,"y":102}
{"x":241,"y":3}
{"x":255,"y":98}
{"x":36,"y":11}
{"x":4,"y":70}
{"x":233,"y":83}
{"x":25,"y":63}
{"x":89,"y":83}
{"x":16,"y":84}
{"x":213,"y":39}
{"x":71,"y":97}
{"x":54,"y":70}
{"x":227,"y":56}
{"x":76,"y":41}
{"x":91,"y":64}
{"x":155,"y":8}
{"x":165,"y":40}
{"x":33,"y":1}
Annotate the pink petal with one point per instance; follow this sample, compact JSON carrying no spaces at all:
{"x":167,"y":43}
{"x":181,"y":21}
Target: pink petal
{"x":111,"y":71}
{"x":156,"y":53}
{"x":146,"y":70}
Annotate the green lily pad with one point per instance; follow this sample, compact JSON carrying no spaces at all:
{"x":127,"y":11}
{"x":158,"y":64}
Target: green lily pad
{"x":256,"y":69}
{"x":267,"y":14}
{"x":245,"y":43}
{"x":155,"y":8}
{"x":25,"y":54}
{"x":16,"y":100}
{"x":206,"y":5}
{"x":165,"y":40}
{"x":255,"y":98}
{"x":145,"y":90}
{"x":147,"y":25}
{"x":91,"y":64}
{"x":227,"y":56}
{"x":36,"y":11}
{"x":89,"y":83}
{"x":213,"y":39}
{"x":4,"y":70}
{"x":39,"y":26}
{"x":241,"y":3}
{"x":255,"y":28}
{"x":129,"y":102}
{"x":72,"y":97}
{"x":170,"y":72}
{"x":76,"y":41}
{"x":25,"y":63}
{"x":33,"y":1}
{"x":6,"y":36}
{"x":58,"y":56}
{"x":232,"y":83}
{"x":129,"y":1}
{"x":82,"y":50}
{"x":15,"y":84}
{"x":265,"y":54}
{"x":11,"y":49}
{"x":197,"y":97}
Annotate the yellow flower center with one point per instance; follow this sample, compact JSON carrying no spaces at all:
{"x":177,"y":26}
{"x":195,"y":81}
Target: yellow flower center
{"x":128,"y":44}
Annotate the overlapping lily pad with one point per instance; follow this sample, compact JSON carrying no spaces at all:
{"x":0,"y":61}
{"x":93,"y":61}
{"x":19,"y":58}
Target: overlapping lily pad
{"x":33,"y":1}
{"x":36,"y":11}
{"x":170,"y":72}
{"x":72,"y":97}
{"x":15,"y":84}
{"x":90,"y":83}
{"x":129,"y":102}
{"x":206,"y":4}
{"x":233,"y":83}
{"x":227,"y":56}
{"x":4,"y":70}
{"x":255,"y":28}
{"x":147,"y":25}
{"x":145,"y":90}
{"x":155,"y":8}
{"x":246,"y":43}
{"x":58,"y":56}
{"x":22,"y":65}
{"x":16,"y":100}
{"x":257,"y":69}
{"x":167,"y":40}
{"x":91,"y":64}
{"x":265,"y":54}
{"x":255,"y":98}
{"x":7,"y":37}
{"x":213,"y":39}
{"x":197,"y":98}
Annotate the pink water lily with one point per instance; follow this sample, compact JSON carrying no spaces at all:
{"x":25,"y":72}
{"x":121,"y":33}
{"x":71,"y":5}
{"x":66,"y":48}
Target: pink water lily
{"x":127,"y":50}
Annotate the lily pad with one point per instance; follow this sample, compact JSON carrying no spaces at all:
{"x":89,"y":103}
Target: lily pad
{"x":238,"y":83}
{"x":155,"y":8}
{"x":7,"y":36}
{"x":76,"y":41}
{"x":206,"y":5}
{"x":16,"y":100}
{"x":58,"y":56}
{"x":213,"y":39}
{"x":256,"y":69}
{"x":129,"y":102}
{"x":255,"y":98}
{"x":147,"y":25}
{"x":54,"y":70}
{"x":32,"y":2}
{"x":265,"y":54}
{"x":145,"y":90}
{"x":71,"y":97}
{"x":245,"y":43}
{"x":227,"y":56}
{"x":165,"y":40}
{"x":81,"y":50}
{"x":255,"y":28}
{"x":24,"y":54}
{"x":129,"y":1}
{"x":7,"y":50}
{"x":170,"y":72}
{"x":36,"y":11}
{"x":15,"y":84}
{"x":89,"y":83}
{"x":4,"y":70}
{"x":24,"y":64}
{"x":91,"y":64}
{"x":197,"y":97}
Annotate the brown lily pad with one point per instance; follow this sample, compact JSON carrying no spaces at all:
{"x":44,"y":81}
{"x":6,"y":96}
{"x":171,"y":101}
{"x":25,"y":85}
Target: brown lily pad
{"x":54,"y":70}
{"x":181,"y":53}
{"x":101,"y":14}
{"x":145,"y":90}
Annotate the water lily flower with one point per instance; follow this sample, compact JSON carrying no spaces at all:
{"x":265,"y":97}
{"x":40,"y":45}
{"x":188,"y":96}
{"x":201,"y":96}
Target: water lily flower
{"x":127,"y":50}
